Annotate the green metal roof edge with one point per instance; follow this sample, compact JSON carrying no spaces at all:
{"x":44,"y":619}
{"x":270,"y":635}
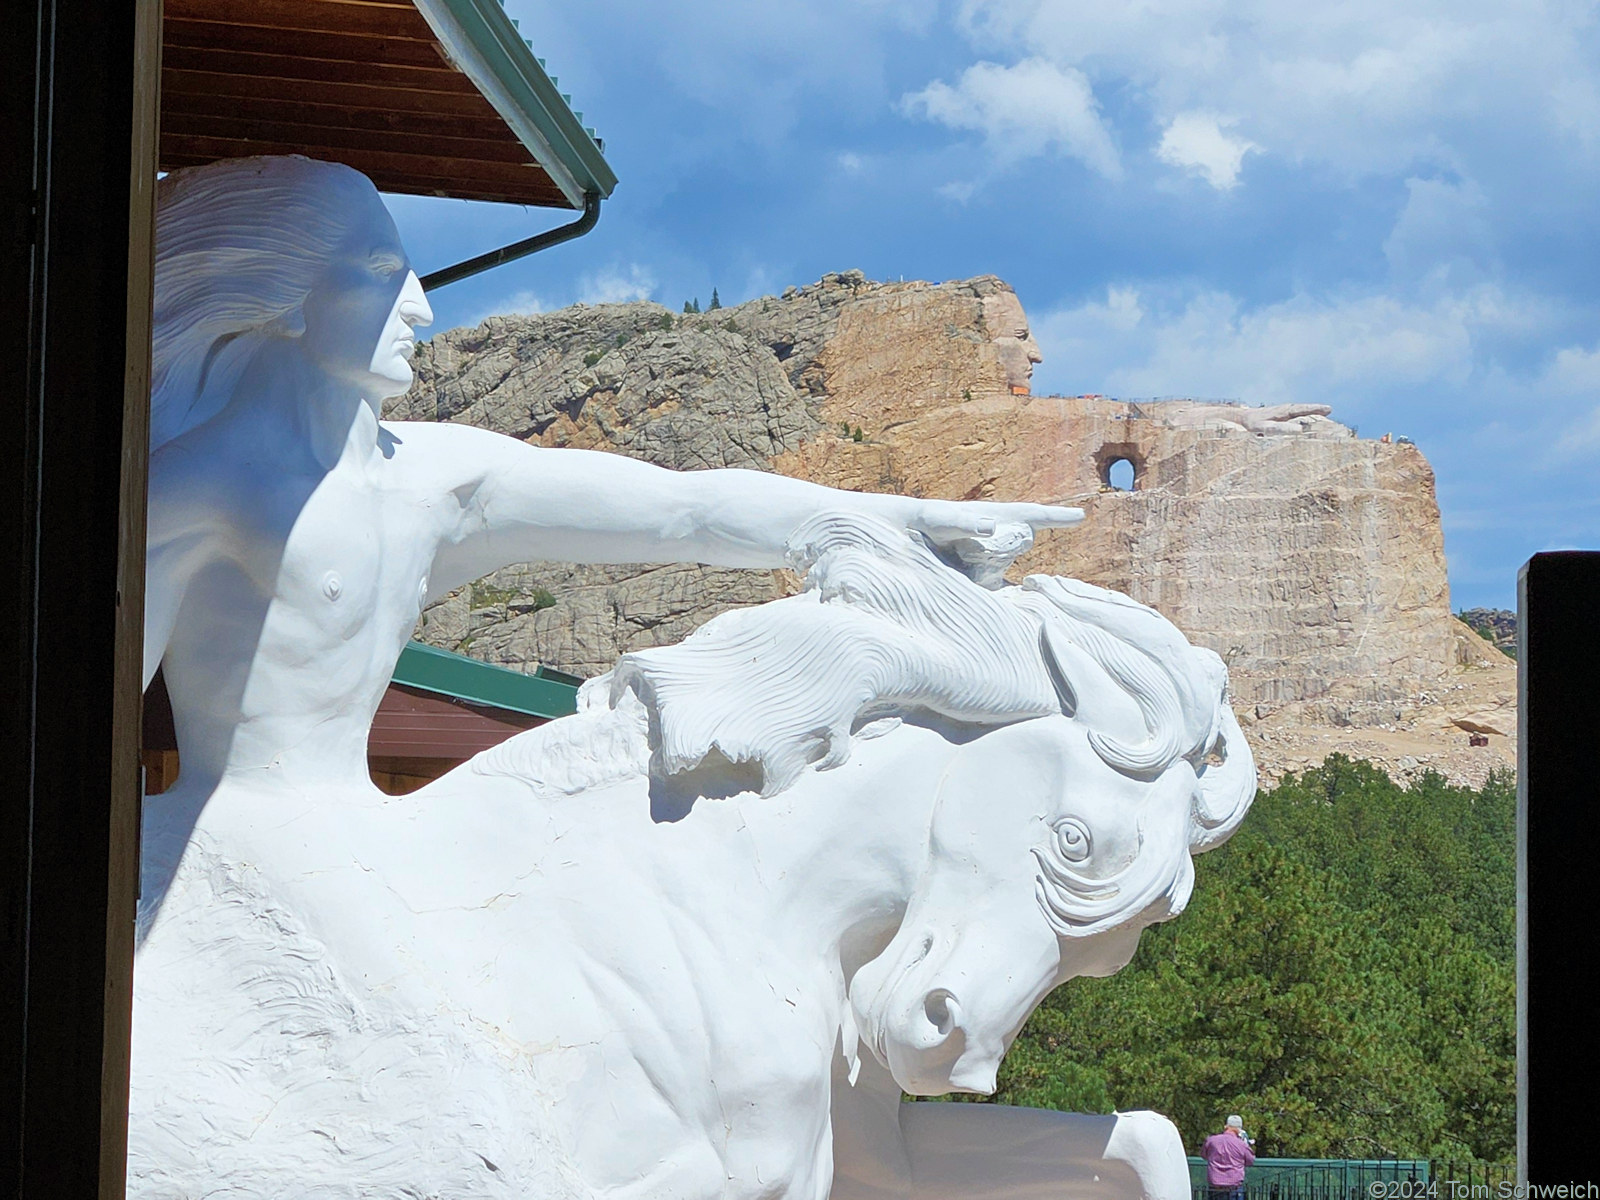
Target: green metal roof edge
{"x":486,"y":45}
{"x":455,"y":675}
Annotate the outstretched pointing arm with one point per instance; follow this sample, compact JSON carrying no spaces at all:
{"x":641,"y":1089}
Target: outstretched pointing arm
{"x":520,"y":503}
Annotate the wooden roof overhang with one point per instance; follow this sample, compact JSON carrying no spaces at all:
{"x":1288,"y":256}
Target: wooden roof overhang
{"x":436,"y":97}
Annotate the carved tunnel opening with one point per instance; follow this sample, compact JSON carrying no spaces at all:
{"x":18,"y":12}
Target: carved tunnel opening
{"x":1120,"y":467}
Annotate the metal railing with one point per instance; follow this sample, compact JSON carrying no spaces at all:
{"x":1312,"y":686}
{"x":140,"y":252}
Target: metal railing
{"x":1365,"y":1179}
{"x":1469,"y":1180}
{"x":1327,"y":1179}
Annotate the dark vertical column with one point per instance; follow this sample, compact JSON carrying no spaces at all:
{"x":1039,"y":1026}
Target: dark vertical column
{"x":78,"y":80}
{"x":1558,"y":792}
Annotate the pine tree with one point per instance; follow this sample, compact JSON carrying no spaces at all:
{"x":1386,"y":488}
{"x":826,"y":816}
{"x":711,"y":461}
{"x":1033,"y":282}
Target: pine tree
{"x":716,"y":301}
{"x":1344,"y":973}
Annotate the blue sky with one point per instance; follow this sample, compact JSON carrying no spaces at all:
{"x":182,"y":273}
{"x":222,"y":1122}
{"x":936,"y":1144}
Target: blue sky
{"x":1389,"y":206}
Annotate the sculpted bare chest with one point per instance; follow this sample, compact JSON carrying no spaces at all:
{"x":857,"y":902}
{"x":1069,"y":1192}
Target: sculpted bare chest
{"x":340,"y":561}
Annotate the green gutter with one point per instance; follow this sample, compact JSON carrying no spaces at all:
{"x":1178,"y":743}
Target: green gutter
{"x":485,"y":44}
{"x":543,"y":694}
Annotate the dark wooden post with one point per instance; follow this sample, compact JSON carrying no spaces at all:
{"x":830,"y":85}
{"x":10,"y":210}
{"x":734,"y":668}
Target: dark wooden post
{"x":79,"y":83}
{"x":1558,"y":790}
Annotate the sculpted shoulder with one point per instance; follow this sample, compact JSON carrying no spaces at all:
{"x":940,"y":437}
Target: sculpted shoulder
{"x":190,"y":487}
{"x":222,"y":489}
{"x":235,"y":454}
{"x":438,"y":455}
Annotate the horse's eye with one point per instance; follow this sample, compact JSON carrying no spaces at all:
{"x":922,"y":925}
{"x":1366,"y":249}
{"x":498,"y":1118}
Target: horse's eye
{"x":1072,"y":839}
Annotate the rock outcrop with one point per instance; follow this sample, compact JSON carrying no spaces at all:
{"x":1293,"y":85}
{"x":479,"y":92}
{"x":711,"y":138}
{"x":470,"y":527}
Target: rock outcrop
{"x":1311,"y":559}
{"x":1497,"y":626}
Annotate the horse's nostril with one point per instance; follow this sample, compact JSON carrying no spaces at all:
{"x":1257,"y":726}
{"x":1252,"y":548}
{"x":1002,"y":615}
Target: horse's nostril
{"x":940,"y":1007}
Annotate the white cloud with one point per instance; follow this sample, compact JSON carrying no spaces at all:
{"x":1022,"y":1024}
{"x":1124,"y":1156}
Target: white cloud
{"x":1359,"y":85}
{"x":523,"y":303}
{"x":850,"y":162}
{"x":1022,"y":111}
{"x":756,"y":70}
{"x":1197,"y":140}
{"x":1303,"y":349}
{"x":761,"y":280}
{"x":1443,"y":229}
{"x":1575,"y":373}
{"x":616,"y":285}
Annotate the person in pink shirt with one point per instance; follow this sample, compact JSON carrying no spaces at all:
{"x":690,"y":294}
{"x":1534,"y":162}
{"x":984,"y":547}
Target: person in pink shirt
{"x":1227,"y":1154}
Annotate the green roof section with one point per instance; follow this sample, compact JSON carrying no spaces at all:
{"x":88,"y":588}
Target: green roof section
{"x":543,"y":694}
{"x":486,"y":45}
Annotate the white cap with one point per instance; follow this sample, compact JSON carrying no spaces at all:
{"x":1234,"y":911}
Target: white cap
{"x":1234,"y":1122}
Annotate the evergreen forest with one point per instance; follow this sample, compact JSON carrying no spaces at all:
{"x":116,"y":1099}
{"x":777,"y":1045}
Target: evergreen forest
{"x":1343,"y":978}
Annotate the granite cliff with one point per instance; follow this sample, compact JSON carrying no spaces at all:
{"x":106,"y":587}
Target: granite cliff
{"x":1310,"y":558}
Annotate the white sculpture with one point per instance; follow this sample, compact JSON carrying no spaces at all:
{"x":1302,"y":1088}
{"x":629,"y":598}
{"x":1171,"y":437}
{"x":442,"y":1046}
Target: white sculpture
{"x":1265,"y":421}
{"x":633,"y":952}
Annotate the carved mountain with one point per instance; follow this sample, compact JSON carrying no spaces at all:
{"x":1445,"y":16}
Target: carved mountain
{"x":1311,"y":559}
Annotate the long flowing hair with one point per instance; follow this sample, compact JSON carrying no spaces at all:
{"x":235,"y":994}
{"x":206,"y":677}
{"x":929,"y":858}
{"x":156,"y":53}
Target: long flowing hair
{"x":886,"y":628}
{"x":239,"y":245}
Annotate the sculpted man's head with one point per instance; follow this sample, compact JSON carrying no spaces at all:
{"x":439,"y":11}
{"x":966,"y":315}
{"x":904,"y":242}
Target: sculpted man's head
{"x":255,"y":250}
{"x":1007,"y":327}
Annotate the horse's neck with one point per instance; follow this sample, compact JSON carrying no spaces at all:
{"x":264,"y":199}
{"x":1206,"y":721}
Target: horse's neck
{"x":839,"y":852}
{"x":828,"y":864}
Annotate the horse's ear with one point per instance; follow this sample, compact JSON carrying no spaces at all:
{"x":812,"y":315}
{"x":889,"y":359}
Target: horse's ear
{"x":1055,"y":666}
{"x":1225,"y":790}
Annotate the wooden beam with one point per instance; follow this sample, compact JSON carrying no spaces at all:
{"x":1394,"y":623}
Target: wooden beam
{"x":409,"y":184}
{"x":333,"y":116}
{"x":314,"y":17}
{"x":323,"y":138}
{"x":442,"y":79}
{"x":359,"y":94}
{"x":321,"y":45}
{"x":423,"y":166}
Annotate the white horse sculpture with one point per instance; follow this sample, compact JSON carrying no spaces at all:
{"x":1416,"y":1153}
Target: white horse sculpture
{"x":562,"y":970}
{"x":633,"y":953}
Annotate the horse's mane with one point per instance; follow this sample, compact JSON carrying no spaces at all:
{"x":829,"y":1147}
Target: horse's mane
{"x":885,"y":628}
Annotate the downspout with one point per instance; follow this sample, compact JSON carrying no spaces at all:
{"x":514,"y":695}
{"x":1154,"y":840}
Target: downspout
{"x":516,"y":250}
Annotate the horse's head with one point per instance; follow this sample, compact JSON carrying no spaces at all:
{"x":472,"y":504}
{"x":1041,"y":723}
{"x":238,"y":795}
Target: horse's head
{"x":1054,"y":842}
{"x":1110,"y":756}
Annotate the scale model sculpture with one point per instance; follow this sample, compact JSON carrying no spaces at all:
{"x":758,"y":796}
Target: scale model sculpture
{"x":635,"y":952}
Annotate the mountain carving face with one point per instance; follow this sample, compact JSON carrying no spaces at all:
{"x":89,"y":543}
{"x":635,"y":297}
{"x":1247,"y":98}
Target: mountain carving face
{"x":1007,"y":327}
{"x":1311,"y":559}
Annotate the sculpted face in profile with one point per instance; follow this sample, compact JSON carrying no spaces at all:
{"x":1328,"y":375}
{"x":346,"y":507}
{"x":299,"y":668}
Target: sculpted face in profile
{"x":355,"y":305}
{"x":265,"y":254}
{"x":643,"y":951}
{"x":1007,"y":327}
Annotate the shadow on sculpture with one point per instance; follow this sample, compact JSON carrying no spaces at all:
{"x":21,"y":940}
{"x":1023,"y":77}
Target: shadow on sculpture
{"x":686,"y":942}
